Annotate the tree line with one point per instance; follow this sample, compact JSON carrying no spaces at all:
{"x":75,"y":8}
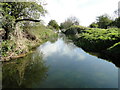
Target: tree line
{"x":70,"y":21}
{"x":105,"y":21}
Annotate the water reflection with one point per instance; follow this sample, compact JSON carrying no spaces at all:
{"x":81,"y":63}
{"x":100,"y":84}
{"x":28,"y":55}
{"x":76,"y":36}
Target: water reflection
{"x":60,"y":64}
{"x":114,"y":58}
{"x":61,"y":49}
{"x":24,"y":73}
{"x":71,"y":67}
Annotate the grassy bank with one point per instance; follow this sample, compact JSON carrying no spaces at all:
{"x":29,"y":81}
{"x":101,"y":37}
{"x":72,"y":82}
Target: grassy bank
{"x":25,"y":39}
{"x":106,"y":42}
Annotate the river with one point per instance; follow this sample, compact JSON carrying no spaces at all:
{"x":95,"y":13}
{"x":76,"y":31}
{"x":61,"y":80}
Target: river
{"x":59,"y":64}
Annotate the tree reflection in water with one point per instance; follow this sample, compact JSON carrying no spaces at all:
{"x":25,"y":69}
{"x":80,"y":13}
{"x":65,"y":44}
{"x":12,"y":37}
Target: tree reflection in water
{"x":25,"y":72}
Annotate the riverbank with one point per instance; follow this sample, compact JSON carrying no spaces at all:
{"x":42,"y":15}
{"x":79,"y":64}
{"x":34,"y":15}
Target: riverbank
{"x":24,"y":40}
{"x":106,"y":42}
{"x":69,"y":64}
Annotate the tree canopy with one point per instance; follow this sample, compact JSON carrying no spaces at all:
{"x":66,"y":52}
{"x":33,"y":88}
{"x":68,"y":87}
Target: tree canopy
{"x":13,"y":12}
{"x":103,"y":21}
{"x":117,"y":22}
{"x":53,"y":24}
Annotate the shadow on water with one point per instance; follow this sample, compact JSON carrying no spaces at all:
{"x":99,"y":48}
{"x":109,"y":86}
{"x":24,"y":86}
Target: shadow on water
{"x":96,"y":49}
{"x":25,"y":72}
{"x":114,"y":58}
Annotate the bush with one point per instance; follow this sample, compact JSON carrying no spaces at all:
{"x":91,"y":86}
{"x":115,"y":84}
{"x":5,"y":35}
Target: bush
{"x":75,"y":30}
{"x":53,"y":24}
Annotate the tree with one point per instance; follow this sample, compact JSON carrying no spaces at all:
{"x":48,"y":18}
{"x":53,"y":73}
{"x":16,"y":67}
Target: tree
{"x":103,"y":21}
{"x":117,"y":22}
{"x":69,"y":22}
{"x":14,"y":12}
{"x":53,"y":24}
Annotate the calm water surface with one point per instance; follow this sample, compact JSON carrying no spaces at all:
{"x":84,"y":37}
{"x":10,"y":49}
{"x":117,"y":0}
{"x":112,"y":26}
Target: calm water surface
{"x":60,"y":64}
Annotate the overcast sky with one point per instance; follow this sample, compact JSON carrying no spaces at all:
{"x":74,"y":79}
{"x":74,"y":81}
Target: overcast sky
{"x":85,"y":10}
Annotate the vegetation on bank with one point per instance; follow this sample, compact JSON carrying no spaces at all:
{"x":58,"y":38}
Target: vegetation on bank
{"x":106,"y":42}
{"x":98,"y":39}
{"x":12,"y":13}
{"x":102,"y":36}
{"x":26,"y":40}
{"x":53,"y":25}
{"x":22,"y":28}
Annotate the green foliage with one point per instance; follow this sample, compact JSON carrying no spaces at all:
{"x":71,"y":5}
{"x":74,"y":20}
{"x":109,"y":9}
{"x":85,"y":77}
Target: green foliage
{"x":17,"y":46}
{"x":103,"y":34}
{"x":94,"y":25}
{"x":23,"y":9}
{"x":115,"y":46}
{"x":95,"y":39}
{"x":75,"y":29}
{"x":7,"y":46}
{"x":41,"y":32}
{"x":53,"y":24}
{"x":114,"y":51}
{"x":117,"y":22}
{"x":79,"y":27}
{"x":103,"y":21}
{"x":11,"y":11}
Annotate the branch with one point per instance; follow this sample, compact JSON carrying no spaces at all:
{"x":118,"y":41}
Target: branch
{"x":27,"y":20}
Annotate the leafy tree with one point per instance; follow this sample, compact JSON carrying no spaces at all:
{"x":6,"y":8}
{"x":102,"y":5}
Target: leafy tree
{"x":53,"y":24}
{"x":104,"y":21}
{"x":69,"y":22}
{"x":93,"y":25}
{"x":117,"y":22}
{"x":14,"y":12}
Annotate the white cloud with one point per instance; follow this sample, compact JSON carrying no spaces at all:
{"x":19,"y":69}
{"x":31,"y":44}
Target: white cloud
{"x":85,"y":10}
{"x":60,"y":48}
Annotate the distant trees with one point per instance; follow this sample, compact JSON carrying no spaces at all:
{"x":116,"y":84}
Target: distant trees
{"x":103,"y":21}
{"x":69,"y":22}
{"x":116,"y":22}
{"x":53,"y":24}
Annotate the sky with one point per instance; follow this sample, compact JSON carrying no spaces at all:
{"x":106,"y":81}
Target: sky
{"x":85,"y":10}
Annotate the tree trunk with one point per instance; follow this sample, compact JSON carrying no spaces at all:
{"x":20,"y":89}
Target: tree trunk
{"x":7,"y":29}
